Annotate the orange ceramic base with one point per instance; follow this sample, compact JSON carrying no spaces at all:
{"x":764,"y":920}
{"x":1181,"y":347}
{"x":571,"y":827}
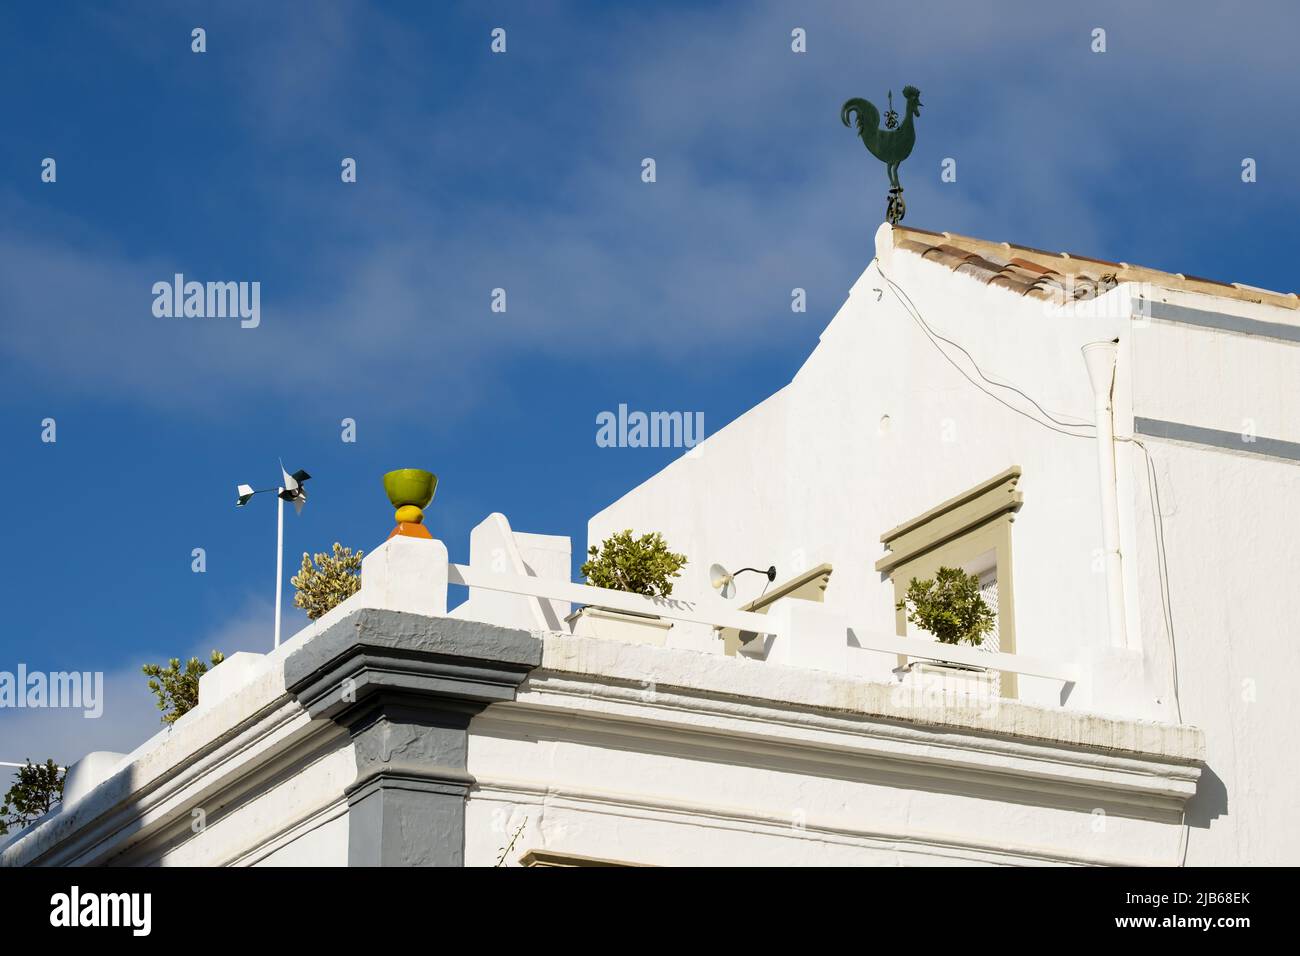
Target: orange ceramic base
{"x":411,"y":530}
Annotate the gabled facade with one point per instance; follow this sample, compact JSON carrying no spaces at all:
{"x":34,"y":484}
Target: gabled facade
{"x":946,"y":417}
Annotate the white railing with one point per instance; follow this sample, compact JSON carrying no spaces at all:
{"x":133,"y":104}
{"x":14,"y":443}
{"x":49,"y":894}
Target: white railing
{"x":675,"y":609}
{"x":719,"y":615}
{"x":409,"y":574}
{"x":1066,"y":671}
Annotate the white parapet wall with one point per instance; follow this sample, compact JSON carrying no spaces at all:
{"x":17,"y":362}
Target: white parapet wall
{"x":497,"y":549}
{"x":406,"y":574}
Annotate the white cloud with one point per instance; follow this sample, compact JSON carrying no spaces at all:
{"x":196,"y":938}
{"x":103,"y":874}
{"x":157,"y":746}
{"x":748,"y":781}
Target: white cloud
{"x":130,"y":715}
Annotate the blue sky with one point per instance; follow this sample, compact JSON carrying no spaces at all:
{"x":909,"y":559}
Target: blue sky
{"x":519,"y":171}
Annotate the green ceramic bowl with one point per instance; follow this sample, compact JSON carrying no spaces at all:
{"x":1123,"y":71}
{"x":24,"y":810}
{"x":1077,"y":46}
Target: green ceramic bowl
{"x":410,"y":486}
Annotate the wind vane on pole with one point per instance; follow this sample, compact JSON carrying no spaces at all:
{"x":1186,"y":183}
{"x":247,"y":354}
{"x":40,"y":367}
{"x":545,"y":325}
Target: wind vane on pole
{"x":890,"y":145}
{"x":291,"y":489}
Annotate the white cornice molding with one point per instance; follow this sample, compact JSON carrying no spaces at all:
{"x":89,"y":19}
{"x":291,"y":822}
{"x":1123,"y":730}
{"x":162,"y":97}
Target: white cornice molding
{"x":958,"y":850}
{"x":711,"y":680}
{"x":295,"y":830}
{"x":140,"y":802}
{"x":707,"y":726}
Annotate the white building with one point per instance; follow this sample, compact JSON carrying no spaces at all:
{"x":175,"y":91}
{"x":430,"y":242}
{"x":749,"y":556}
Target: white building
{"x":1133,"y":708}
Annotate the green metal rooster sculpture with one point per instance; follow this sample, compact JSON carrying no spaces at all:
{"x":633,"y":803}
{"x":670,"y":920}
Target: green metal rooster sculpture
{"x":891,"y":146}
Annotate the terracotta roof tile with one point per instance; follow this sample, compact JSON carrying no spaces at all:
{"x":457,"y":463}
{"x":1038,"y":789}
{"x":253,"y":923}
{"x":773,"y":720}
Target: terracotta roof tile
{"x":1060,"y":277}
{"x":911,"y":245}
{"x":981,"y":269}
{"x":1019,"y":286}
{"x":952,"y":250}
{"x":940,"y":254}
{"x":1055,"y":281}
{"x":983,"y":263}
{"x":1031,"y":266}
{"x":1021,"y":274}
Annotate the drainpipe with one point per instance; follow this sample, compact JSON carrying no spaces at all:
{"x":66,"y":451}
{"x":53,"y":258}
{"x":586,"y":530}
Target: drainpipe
{"x":1100,"y":359}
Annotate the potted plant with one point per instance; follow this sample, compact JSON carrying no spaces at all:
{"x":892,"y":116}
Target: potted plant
{"x":951,"y":608}
{"x":637,"y":565}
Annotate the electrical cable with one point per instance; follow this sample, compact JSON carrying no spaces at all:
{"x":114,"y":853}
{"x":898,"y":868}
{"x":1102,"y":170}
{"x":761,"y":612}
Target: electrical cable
{"x":1162,"y":563}
{"x":906,"y":302}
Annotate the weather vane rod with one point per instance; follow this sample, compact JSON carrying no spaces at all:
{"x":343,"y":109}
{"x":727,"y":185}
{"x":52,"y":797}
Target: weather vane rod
{"x":890,"y":145}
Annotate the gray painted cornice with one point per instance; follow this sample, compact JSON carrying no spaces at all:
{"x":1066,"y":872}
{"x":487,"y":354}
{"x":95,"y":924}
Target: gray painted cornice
{"x":405,"y":688}
{"x":398,"y":654}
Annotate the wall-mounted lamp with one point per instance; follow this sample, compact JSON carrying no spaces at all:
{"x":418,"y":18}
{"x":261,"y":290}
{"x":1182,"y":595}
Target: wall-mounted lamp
{"x":723,"y":581}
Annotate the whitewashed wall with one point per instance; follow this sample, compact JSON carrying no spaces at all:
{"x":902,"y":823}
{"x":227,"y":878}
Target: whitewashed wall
{"x":1231,"y":526}
{"x":811,"y":475}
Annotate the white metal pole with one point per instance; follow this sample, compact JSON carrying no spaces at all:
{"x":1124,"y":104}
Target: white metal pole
{"x":279,"y":559}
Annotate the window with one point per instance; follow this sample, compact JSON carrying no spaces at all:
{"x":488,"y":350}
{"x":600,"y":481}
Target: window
{"x":993,"y":640}
{"x":971,"y":531}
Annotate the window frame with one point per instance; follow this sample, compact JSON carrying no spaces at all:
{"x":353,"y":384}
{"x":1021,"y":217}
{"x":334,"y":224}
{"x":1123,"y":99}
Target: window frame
{"x":958,"y":533}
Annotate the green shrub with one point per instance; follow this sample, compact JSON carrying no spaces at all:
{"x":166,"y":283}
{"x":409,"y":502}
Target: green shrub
{"x":38,"y":788}
{"x":177,"y":689}
{"x":334,"y":578}
{"x":949,"y":606}
{"x":641,"y":565}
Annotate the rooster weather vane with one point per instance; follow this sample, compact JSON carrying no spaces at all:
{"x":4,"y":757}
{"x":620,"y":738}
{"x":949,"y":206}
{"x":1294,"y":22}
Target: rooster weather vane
{"x":890,"y":145}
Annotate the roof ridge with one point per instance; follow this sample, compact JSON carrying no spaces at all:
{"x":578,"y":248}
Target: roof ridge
{"x":1027,"y":270}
